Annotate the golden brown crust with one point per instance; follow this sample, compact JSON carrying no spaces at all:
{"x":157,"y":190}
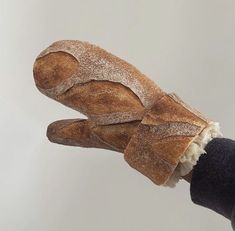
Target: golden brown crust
{"x":97,"y":64}
{"x":53,"y":69}
{"x":172,"y":108}
{"x":67,"y":69}
{"x":85,"y":133}
{"x":140,"y":155}
{"x":162,"y":137}
{"x":117,"y":135}
{"x":74,"y":132}
{"x":99,"y":98}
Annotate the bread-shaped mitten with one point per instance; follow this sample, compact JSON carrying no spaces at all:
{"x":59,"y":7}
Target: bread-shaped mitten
{"x":127,"y":112}
{"x":98,"y":84}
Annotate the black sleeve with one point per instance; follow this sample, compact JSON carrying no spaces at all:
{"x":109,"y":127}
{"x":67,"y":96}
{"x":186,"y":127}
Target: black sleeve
{"x":233,"y":218}
{"x":213,"y":178}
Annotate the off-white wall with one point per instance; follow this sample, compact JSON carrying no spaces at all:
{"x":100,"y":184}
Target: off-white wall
{"x":187,"y":46}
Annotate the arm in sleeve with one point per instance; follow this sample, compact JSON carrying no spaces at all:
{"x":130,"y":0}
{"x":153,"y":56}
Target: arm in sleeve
{"x":213,"y":178}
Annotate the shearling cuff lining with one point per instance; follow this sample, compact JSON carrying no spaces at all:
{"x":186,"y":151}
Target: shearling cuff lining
{"x":193,"y":152}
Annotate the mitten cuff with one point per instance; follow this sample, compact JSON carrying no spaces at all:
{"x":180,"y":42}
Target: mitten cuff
{"x":169,"y":140}
{"x":193,"y":152}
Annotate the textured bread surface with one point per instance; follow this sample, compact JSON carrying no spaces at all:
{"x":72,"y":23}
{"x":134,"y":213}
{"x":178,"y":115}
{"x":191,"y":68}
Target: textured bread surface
{"x":162,"y":138}
{"x":160,"y":135}
{"x":85,"y":133}
{"x":53,"y":69}
{"x":100,"y":85}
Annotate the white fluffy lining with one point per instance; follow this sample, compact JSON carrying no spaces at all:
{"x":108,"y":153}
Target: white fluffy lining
{"x":193,"y":152}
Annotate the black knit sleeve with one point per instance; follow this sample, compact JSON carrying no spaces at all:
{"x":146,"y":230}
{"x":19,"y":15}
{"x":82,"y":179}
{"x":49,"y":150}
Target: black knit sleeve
{"x":213,"y":178}
{"x":233,"y":218}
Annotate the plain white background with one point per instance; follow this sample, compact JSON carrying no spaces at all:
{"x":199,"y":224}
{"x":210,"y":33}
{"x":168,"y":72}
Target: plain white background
{"x":186,"y":46}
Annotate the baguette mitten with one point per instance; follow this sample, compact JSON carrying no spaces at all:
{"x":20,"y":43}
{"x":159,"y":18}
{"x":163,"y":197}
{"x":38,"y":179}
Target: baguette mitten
{"x":127,"y":112}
